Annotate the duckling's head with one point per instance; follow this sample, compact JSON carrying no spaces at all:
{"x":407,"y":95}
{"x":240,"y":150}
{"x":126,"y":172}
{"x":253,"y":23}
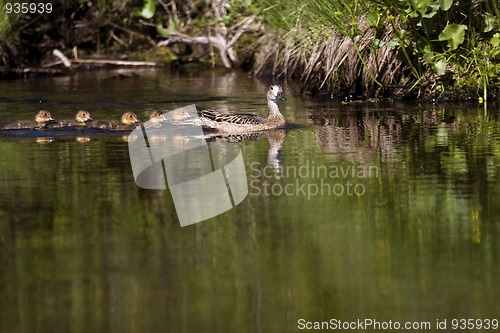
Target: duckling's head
{"x":155,"y":117}
{"x":129,"y":118}
{"x":179,"y":114}
{"x":275,"y":93}
{"x":83,"y":116}
{"x":43,"y":116}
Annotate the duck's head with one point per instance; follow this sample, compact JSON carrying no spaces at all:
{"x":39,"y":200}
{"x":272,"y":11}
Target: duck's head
{"x":43,"y":116}
{"x":129,"y":118}
{"x":275,"y":93}
{"x":83,"y":116}
{"x":155,"y":117}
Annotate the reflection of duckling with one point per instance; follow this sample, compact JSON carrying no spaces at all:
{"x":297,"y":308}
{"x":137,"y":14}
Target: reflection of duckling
{"x":127,"y":123}
{"x":81,"y":119}
{"x":41,"y":120}
{"x":82,"y":139}
{"x":44,"y":140}
{"x":129,"y":138}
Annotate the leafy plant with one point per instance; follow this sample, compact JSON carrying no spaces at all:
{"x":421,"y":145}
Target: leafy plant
{"x":148,"y":9}
{"x":414,"y":35}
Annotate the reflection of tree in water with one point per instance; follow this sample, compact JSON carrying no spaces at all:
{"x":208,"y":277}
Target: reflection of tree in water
{"x":364,"y":137}
{"x":455,"y":144}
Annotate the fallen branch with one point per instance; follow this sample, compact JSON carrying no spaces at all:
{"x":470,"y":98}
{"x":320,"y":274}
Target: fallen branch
{"x":63,"y":58}
{"x":103,"y":62}
{"x":216,"y":41}
{"x":227,"y":53}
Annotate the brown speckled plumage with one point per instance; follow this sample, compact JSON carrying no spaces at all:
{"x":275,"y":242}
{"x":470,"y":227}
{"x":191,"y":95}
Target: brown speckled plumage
{"x":245,"y":122}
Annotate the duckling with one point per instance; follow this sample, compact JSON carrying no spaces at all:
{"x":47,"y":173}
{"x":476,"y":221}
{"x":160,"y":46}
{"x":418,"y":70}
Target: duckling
{"x":80,"y":120}
{"x":126,"y":123}
{"x":244,"y":122}
{"x":41,"y":119}
{"x":155,"y":119}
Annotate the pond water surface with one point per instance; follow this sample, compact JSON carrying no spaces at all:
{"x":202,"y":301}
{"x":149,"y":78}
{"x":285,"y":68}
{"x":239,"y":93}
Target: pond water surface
{"x":388,"y":212}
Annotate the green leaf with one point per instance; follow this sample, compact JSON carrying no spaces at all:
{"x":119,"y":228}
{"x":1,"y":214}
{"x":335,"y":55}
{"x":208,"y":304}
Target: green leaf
{"x":379,"y":43}
{"x":495,"y":40}
{"x":4,"y":23}
{"x":429,"y":15}
{"x":429,"y":58}
{"x":445,"y":4}
{"x":440,"y":66}
{"x":454,"y":34}
{"x":489,"y":20}
{"x":161,"y":30}
{"x":172,"y":26}
{"x":372,"y":19}
{"x":148,"y":9}
{"x":421,"y":5}
{"x":393,"y":43}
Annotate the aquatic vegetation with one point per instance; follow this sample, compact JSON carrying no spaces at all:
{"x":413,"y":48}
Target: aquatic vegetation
{"x":370,"y":47}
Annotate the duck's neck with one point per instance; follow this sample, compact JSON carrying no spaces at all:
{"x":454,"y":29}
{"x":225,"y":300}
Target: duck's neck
{"x":274,"y":110}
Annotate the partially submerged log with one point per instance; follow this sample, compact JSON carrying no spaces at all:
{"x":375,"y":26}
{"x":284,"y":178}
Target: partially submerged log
{"x":69,"y":62}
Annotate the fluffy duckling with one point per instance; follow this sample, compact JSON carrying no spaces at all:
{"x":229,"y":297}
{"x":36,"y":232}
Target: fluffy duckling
{"x":41,"y":119}
{"x":244,"y":122}
{"x":126,"y":123}
{"x":179,"y":116}
{"x":155,"y":119}
{"x":81,"y":119}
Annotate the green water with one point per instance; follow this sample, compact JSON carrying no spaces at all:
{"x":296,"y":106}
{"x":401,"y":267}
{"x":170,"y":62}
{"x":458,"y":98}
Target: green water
{"x":387,"y":212}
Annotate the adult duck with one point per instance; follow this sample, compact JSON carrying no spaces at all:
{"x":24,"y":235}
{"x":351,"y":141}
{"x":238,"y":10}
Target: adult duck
{"x":245,"y":122}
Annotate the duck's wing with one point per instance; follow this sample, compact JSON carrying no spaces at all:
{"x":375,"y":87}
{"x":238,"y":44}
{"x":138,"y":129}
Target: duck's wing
{"x":232,"y":118}
{"x":206,"y":113}
{"x":240,"y":119}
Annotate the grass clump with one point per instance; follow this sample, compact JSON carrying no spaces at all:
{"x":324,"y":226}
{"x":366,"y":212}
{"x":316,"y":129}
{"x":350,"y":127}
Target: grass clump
{"x":382,"y":47}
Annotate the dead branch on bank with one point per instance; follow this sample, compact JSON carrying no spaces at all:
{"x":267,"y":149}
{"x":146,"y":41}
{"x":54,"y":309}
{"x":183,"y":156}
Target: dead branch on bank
{"x":69,"y":62}
{"x":106,"y":62}
{"x":219,"y":39}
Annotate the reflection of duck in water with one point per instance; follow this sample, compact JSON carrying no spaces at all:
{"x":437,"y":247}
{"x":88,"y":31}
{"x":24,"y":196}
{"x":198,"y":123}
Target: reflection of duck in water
{"x":126,"y":123}
{"x":244,"y":122}
{"x":81,"y":119}
{"x":276,"y":138}
{"x":41,"y":120}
